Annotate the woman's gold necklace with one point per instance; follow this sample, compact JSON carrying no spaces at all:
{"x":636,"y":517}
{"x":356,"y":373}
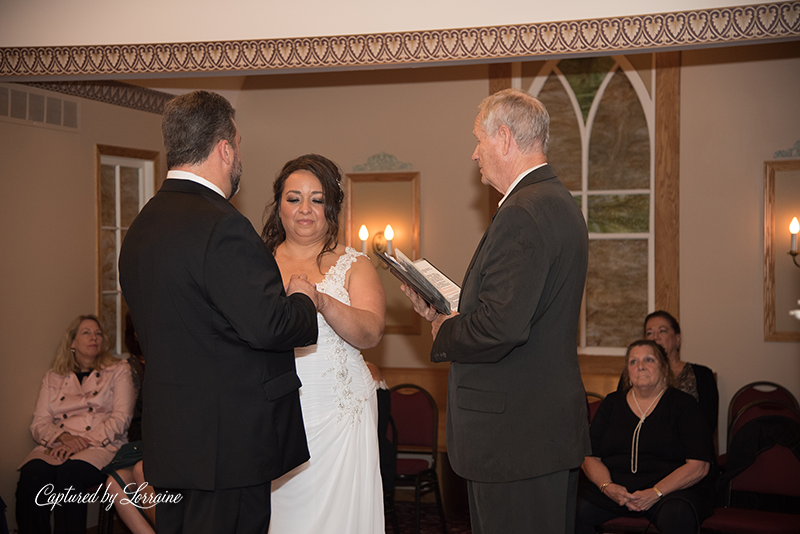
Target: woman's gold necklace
{"x":638,"y":429}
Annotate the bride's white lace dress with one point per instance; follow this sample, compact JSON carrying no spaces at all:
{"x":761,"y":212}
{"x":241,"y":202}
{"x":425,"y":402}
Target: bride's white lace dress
{"x":338,"y":491}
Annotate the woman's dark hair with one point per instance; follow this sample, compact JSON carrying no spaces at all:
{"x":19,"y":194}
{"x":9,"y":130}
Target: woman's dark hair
{"x":664,"y":315}
{"x":660,"y":354}
{"x":329,"y":175}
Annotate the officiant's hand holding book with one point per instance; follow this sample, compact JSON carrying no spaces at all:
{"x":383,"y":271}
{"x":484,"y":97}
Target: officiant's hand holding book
{"x":427,"y":311}
{"x":427,"y":281}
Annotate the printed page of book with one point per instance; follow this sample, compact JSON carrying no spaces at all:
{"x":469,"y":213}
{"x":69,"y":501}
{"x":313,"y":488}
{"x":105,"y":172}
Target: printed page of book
{"x":408,"y":273}
{"x":440,"y":281}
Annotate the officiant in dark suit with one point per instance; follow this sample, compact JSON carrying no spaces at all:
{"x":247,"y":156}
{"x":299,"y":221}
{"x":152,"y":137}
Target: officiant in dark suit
{"x":516,"y":407}
{"x":221,"y":414}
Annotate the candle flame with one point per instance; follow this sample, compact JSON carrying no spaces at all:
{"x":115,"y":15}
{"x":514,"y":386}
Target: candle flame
{"x":794,"y":227}
{"x":363,"y":233}
{"x":388,"y":233}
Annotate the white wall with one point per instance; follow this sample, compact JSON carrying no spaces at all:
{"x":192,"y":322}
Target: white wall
{"x":85,"y":22}
{"x":738,"y":106}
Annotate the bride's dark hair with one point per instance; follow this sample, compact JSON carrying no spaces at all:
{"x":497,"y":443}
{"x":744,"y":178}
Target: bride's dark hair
{"x":329,"y":175}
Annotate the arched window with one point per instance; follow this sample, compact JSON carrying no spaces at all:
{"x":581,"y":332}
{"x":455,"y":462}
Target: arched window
{"x":602,"y":133}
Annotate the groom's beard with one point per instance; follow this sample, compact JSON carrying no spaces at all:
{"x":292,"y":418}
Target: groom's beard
{"x":236,"y":175}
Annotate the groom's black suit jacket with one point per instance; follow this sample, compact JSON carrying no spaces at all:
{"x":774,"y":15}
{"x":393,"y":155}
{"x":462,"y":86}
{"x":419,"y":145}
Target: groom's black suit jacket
{"x":221,"y":402}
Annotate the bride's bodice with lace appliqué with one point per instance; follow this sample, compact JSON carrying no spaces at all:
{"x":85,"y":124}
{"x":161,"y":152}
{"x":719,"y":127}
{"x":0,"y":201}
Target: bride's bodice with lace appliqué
{"x":333,"y":363}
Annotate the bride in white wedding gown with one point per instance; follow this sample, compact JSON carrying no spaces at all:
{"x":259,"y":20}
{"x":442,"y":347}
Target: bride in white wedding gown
{"x":338,"y":491}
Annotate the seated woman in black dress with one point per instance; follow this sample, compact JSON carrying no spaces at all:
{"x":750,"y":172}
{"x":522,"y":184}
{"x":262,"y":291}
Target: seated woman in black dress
{"x":651,"y":451}
{"x":692,"y":378}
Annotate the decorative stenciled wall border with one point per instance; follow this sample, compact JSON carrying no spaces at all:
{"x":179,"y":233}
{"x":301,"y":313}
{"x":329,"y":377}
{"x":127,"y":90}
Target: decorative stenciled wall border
{"x":780,"y":20}
{"x":111,"y":92}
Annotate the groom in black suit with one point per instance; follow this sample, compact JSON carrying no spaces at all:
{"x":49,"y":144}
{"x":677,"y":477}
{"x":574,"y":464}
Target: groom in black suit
{"x":221,"y":412}
{"x":516,"y":408}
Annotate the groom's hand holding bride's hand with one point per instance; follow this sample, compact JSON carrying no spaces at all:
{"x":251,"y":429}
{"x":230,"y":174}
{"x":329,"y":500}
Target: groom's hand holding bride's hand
{"x":299,"y":283}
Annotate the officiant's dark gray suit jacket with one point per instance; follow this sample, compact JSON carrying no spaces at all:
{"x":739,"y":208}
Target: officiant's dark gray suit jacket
{"x":221,"y":392}
{"x":516,"y":406}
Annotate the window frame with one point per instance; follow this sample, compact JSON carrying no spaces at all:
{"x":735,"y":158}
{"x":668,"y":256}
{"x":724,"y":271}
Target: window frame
{"x":665,"y":196}
{"x":148,"y":162}
{"x":620,"y":66}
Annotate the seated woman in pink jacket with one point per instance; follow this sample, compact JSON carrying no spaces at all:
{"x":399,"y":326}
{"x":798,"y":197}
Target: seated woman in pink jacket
{"x":81,"y":419}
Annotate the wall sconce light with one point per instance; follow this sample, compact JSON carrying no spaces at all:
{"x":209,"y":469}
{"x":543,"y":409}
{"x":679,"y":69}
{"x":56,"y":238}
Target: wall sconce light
{"x":794,"y":227}
{"x":388,"y":233}
{"x":363,"y":235}
{"x":373,"y":199}
{"x":381,"y":241}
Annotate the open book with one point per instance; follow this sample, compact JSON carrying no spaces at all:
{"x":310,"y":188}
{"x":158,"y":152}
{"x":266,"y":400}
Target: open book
{"x":428,"y":281}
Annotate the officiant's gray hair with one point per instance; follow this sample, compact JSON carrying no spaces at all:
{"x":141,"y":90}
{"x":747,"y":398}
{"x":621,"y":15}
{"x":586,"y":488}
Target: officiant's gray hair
{"x":525,"y":116}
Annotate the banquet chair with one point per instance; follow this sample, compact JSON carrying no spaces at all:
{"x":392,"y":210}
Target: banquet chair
{"x":757,"y":391}
{"x":387,"y":449}
{"x":761,"y":408}
{"x":763,"y":462}
{"x":416,"y":421}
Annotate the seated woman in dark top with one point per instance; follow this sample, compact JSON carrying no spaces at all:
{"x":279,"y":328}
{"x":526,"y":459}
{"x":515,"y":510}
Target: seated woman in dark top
{"x":651,"y":451}
{"x":692,"y":378}
{"x":140,"y":516}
